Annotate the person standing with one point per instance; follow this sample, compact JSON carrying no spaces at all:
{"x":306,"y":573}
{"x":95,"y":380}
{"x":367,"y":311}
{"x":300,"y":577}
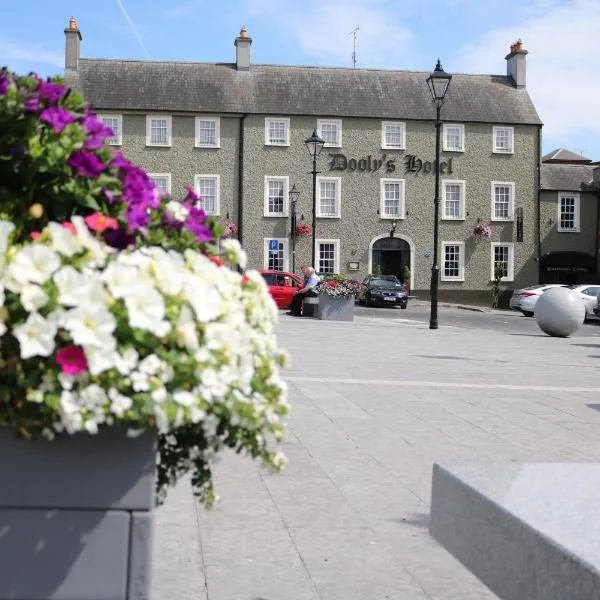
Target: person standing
{"x":311,"y":280}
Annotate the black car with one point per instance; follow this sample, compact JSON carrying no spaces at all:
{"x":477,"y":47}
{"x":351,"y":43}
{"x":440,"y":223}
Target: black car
{"x":384,"y":290}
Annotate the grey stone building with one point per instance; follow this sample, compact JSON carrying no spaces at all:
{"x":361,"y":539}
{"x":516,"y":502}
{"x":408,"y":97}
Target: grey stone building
{"x":236,"y":132}
{"x":569,"y":218}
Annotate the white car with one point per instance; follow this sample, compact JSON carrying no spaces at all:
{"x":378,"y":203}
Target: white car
{"x":589,"y":294}
{"x":525,"y":299}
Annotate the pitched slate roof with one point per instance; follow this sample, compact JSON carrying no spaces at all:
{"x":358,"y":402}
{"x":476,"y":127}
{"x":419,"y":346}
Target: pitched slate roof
{"x":566,"y":177}
{"x":296,"y":90}
{"x":564,"y":155}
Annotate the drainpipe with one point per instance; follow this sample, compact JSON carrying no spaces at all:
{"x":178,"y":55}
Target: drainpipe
{"x":539,"y":202}
{"x":597,"y":225}
{"x":241,"y":178}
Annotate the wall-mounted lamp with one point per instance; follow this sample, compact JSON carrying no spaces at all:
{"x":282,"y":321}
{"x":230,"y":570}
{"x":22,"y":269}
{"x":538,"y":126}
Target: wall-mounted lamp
{"x":550,"y":222}
{"x":227,"y":215}
{"x":393,"y":229}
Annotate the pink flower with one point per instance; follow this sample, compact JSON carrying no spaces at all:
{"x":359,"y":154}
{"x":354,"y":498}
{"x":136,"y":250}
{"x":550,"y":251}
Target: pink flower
{"x":35,"y":235}
{"x":98,"y":222}
{"x":71,"y":360}
{"x":68,"y":225}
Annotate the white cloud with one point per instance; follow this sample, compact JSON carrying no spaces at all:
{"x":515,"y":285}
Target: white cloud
{"x":564,"y":44}
{"x":21,"y":56}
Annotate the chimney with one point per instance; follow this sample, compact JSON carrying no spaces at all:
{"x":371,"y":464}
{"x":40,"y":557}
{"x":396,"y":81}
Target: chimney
{"x":242,"y":50}
{"x":515,"y":63}
{"x":72,"y":44}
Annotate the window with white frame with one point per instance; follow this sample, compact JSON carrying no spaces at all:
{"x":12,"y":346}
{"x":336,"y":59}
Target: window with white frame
{"x":453,"y":261}
{"x":504,"y":140}
{"x":392,"y":199}
{"x":330,"y":131}
{"x":328,"y":256}
{"x":276,"y":254}
{"x":568,"y":212}
{"x":276,"y":195}
{"x":208,"y":188}
{"x":208,"y":132}
{"x":115,"y":122}
{"x":453,"y":199}
{"x":277,"y":132}
{"x":503,"y":254}
{"x":329,"y":193}
{"x":393,"y":135}
{"x":158,"y":130}
{"x":162,"y":181}
{"x":503,"y":200}
{"x":453,"y":137}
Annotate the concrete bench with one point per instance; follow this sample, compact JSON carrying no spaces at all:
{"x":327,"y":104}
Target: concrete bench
{"x":528,"y":531}
{"x":310,"y":306}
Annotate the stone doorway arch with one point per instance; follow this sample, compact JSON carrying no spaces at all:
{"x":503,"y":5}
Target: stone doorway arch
{"x":392,"y":253}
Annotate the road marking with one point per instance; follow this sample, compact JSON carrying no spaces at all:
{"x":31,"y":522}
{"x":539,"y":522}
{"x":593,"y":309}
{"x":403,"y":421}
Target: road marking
{"x":442,"y":384}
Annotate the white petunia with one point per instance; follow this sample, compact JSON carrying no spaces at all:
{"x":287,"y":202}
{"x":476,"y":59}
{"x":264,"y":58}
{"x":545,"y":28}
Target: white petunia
{"x":204,"y":299}
{"x":159,"y":394}
{"x":140,"y":381}
{"x":63,"y":241}
{"x":90,"y":426}
{"x":33,"y":297}
{"x":234,"y":252}
{"x":150,"y":365}
{"x":91,"y":325}
{"x":177,"y":210}
{"x":92,"y":397}
{"x":184,"y":398}
{"x":187,"y":335}
{"x":6,"y":228}
{"x":146,"y":308}
{"x":34,"y":264}
{"x":75,"y":288}
{"x":121,"y":279}
{"x":99,"y":359}
{"x":127,"y":361}
{"x":119,"y":402}
{"x":98,"y":251}
{"x":36,"y":336}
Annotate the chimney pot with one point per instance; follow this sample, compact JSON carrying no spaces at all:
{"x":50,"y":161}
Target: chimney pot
{"x":72,"y":45}
{"x":515,"y":63}
{"x":73,"y":24}
{"x":242,"y":50}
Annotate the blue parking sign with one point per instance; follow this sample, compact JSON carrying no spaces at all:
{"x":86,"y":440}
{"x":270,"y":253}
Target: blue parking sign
{"x":273,"y":246}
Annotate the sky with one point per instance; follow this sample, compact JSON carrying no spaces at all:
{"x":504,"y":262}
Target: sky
{"x":469,"y":36}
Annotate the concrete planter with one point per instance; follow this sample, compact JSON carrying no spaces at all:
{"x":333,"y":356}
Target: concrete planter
{"x":75,"y":516}
{"x":336,"y":309}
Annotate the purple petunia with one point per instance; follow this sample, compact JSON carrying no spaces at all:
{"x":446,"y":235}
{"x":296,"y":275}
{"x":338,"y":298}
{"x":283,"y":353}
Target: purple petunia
{"x":110,"y":197}
{"x":50,"y":91}
{"x":196,"y":223}
{"x":118,"y":238}
{"x":57,"y":117}
{"x":86,"y":164}
{"x":4,"y":83}
{"x":191,"y":195}
{"x":96,"y":130}
{"x":32,"y":104}
{"x":137,"y":217}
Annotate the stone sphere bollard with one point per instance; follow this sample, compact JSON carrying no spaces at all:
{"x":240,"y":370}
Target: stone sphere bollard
{"x":559,"y":312}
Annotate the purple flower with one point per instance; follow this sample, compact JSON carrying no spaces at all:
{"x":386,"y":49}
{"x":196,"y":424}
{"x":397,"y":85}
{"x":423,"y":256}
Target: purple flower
{"x":119,"y":161}
{"x":50,"y":91}
{"x":191,"y":195}
{"x":57,"y":117}
{"x":138,"y":188}
{"x":137,"y":217}
{"x":96,"y":130}
{"x":32,"y":104}
{"x":110,"y":197}
{"x":196,"y":223}
{"x":118,"y":238}
{"x":4,"y":83}
{"x":86,"y":164}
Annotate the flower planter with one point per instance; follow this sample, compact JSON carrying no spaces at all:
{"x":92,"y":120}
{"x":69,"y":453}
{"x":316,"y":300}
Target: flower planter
{"x":75,"y":516}
{"x":336,"y":309}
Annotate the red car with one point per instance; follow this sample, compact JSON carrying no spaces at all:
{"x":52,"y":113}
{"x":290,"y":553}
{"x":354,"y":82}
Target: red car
{"x":282,"y":286}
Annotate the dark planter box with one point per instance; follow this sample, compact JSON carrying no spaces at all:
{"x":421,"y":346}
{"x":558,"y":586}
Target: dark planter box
{"x":336,"y":309}
{"x":75,"y":516}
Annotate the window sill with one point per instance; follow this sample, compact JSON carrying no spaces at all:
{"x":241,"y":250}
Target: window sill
{"x":277,"y":145}
{"x":451,"y":280}
{"x":272,"y":216}
{"x":511,"y":220}
{"x":458,"y":151}
{"x":204,"y":147}
{"x":509,"y":152}
{"x":157,"y":145}
{"x":392,"y":218}
{"x":329,"y":217}
{"x":568,"y":231}
{"x":459,"y":219}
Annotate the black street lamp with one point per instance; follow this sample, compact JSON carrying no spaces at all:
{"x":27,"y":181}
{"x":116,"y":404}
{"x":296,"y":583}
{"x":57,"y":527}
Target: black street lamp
{"x":438,"y":83}
{"x":314,"y":145}
{"x":294,"y":195}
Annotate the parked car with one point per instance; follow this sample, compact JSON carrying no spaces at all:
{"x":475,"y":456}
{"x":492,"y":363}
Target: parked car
{"x":589,"y":294}
{"x":282,"y":286}
{"x":525,"y":299}
{"x":384,"y":289}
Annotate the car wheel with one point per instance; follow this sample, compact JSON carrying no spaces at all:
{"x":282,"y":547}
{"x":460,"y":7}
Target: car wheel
{"x":527,"y":313}
{"x":403,"y":306}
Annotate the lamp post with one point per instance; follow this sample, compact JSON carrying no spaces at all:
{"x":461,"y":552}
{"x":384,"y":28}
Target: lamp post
{"x":438,"y":83}
{"x":314,"y":145}
{"x":293,"y":194}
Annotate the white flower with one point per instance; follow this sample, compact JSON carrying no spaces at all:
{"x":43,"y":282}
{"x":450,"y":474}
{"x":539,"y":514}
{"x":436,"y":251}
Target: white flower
{"x":119,"y":402}
{"x":33,"y":297}
{"x":140,"y":381}
{"x":127,"y":361}
{"x":36,"y":396}
{"x":159,"y":394}
{"x":178,"y":211}
{"x":34,"y":264}
{"x":66,"y":381}
{"x":204,"y":299}
{"x":146,"y":308}
{"x":234,"y":253}
{"x":99,"y":251}
{"x":92,"y":397}
{"x":99,"y":359}
{"x":150,"y":365}
{"x":184,"y":398}
{"x":63,"y":241}
{"x":91,"y":426}
{"x":75,"y":288}
{"x":68,"y":402}
{"x":121,"y":279}
{"x":196,"y":414}
{"x":6,"y":228}
{"x":91,"y":325}
{"x":187,"y":335}
{"x":36,"y":336}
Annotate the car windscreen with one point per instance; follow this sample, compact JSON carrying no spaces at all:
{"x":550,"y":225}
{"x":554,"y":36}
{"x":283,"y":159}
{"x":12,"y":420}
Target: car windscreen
{"x":388,"y":284}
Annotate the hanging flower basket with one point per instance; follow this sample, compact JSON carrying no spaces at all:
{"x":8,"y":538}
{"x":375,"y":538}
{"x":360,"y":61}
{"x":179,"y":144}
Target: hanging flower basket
{"x":229,"y":228}
{"x":304,"y":229}
{"x":482,"y":231}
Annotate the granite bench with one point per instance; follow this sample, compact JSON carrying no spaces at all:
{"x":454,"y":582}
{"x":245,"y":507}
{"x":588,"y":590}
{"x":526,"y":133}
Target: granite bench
{"x":529,"y":531}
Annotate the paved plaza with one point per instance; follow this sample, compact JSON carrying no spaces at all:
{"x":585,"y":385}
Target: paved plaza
{"x":374,"y":403}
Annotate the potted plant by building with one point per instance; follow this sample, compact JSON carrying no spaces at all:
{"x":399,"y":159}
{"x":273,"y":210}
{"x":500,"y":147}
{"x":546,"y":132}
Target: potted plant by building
{"x":230,"y":229}
{"x":406,"y":275}
{"x":336,"y":297}
{"x":302,"y":229}
{"x":496,"y":284}
{"x":131,"y":353}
